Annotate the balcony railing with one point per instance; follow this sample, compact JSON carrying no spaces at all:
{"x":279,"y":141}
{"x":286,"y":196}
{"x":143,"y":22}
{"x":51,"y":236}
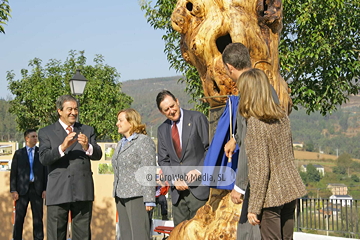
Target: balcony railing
{"x":328,"y":217}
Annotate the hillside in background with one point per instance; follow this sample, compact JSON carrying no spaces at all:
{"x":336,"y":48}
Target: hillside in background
{"x":144,"y":92}
{"x":323,"y":137}
{"x":332,"y":134}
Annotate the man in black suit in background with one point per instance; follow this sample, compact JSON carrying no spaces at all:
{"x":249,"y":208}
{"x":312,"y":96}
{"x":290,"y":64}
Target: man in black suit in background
{"x":67,"y":147}
{"x":28,"y":179}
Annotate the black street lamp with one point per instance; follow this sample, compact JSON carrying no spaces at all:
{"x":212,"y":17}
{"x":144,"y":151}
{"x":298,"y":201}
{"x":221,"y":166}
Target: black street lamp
{"x":77,"y":83}
{"x":77,"y":86}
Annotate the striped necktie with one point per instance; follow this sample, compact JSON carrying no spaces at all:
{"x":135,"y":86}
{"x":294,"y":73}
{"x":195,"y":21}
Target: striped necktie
{"x":69,"y":129}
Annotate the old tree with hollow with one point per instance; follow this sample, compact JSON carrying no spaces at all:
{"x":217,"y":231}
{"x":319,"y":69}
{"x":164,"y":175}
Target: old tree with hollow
{"x":206,"y":27}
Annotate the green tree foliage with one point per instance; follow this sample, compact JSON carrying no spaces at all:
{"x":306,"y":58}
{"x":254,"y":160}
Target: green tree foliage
{"x":7,"y":123}
{"x":331,"y":129}
{"x":309,"y":146}
{"x":106,"y":168}
{"x":355,"y":166}
{"x":345,"y":160}
{"x":339,"y":170}
{"x":352,"y":222}
{"x":313,"y":175}
{"x":303,"y":176}
{"x":315,"y":128}
{"x":344,"y":123}
{"x":355,"y":178}
{"x":37,"y":90}
{"x":319,"y":50}
{"x":5,"y":11}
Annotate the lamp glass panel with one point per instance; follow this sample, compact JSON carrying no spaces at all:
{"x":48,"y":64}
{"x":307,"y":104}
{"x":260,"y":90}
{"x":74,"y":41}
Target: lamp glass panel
{"x":77,"y":87}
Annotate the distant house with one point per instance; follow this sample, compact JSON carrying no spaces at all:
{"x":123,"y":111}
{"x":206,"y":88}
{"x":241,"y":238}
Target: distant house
{"x":342,"y":200}
{"x":298,"y":145}
{"x":338,"y":188}
{"x":320,"y":169}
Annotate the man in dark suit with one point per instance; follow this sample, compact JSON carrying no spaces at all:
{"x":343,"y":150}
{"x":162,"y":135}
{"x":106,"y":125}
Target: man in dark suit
{"x":237,"y":60}
{"x":27,"y":184}
{"x":66,"y":147}
{"x":183,"y":140}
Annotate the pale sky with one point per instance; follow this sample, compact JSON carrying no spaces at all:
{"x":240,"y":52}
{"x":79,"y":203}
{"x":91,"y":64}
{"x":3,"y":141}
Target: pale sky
{"x":49,"y":29}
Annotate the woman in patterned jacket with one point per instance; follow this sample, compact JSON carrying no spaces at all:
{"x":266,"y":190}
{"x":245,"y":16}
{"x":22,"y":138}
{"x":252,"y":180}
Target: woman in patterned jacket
{"x":275,"y":183}
{"x":133,"y":158}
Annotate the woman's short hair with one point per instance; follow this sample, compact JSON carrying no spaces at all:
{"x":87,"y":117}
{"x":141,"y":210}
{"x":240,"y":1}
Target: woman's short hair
{"x":134,"y":118}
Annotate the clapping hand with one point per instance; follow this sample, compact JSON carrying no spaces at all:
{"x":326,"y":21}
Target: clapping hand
{"x":68,"y":141}
{"x":83,"y":140}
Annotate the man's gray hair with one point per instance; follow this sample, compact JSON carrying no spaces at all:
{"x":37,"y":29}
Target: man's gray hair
{"x":64,"y":98}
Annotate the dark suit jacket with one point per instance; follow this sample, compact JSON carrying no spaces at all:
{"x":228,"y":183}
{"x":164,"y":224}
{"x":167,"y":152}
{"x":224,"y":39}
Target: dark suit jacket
{"x":20,"y":173}
{"x":70,"y":177}
{"x":195,"y":143}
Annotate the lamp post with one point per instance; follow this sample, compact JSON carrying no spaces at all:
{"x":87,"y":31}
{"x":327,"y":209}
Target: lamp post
{"x":77,"y":86}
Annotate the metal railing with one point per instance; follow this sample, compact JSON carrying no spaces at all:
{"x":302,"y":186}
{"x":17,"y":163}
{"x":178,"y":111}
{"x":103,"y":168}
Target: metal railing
{"x":328,"y":217}
{"x":332,"y":217}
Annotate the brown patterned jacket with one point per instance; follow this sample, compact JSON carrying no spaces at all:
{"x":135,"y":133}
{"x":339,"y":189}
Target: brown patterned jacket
{"x":274,"y":179}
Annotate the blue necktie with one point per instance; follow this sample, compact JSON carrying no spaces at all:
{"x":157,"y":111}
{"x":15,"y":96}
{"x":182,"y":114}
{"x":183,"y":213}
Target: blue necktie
{"x":31,"y":160}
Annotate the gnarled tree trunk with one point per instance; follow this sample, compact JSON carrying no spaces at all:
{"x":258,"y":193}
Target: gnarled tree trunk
{"x":206,"y":27}
{"x":216,"y":220}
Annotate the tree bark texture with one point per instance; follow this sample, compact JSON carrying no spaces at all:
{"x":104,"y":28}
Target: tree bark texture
{"x":217,"y":219}
{"x":207,"y":26}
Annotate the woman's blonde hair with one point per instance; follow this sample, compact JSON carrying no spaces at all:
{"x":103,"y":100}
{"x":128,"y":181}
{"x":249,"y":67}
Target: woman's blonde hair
{"x":256,"y":98}
{"x":134,"y":118}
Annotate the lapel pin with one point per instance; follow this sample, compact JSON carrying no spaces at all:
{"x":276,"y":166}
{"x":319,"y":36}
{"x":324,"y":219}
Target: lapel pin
{"x":189,"y":124}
